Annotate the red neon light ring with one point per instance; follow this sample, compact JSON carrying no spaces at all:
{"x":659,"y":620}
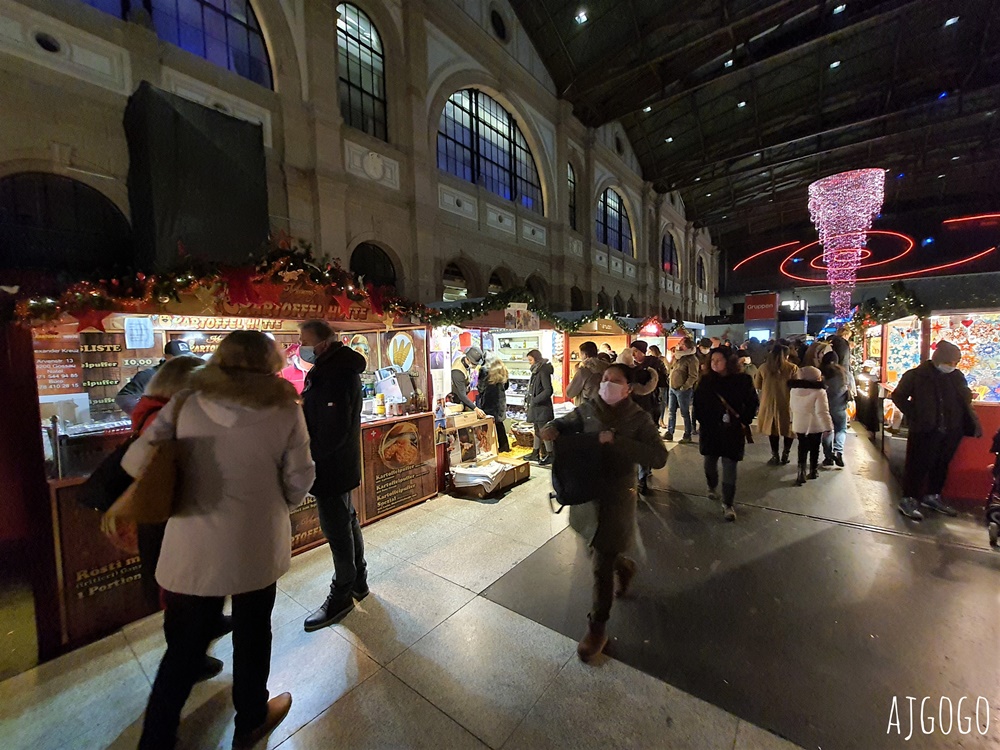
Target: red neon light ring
{"x":978,"y":217}
{"x":888,"y":277}
{"x":762,"y":252}
{"x":909,"y":240}
{"x":819,"y":264}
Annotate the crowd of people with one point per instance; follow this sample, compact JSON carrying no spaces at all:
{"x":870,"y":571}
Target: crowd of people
{"x":250,"y":448}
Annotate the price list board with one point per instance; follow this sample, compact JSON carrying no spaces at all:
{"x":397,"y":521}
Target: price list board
{"x":101,"y":355}
{"x":58,"y":363}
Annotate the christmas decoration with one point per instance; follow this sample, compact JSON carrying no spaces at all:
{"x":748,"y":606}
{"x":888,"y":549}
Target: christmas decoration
{"x":842,"y":207}
{"x":87,"y":319}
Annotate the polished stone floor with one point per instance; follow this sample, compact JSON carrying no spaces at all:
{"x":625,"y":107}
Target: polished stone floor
{"x":426,"y":661}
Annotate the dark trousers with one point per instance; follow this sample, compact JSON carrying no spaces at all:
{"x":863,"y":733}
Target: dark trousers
{"x":189,"y":624}
{"x":339,"y":521}
{"x":605,"y":566}
{"x":809,"y":448}
{"x":729,"y":467}
{"x":503,"y":444}
{"x":773,"y":439}
{"x":928,"y":455}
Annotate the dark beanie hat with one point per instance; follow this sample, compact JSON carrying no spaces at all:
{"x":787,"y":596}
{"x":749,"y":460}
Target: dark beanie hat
{"x":831,"y":358}
{"x":946,"y":352}
{"x":640,"y":345}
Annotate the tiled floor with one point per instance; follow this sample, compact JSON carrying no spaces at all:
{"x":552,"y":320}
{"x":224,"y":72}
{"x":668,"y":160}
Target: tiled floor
{"x":423,"y":662}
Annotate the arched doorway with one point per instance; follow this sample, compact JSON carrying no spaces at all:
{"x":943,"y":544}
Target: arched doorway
{"x":603,"y":300}
{"x":456,"y":286}
{"x":53,"y":223}
{"x":631,"y":308}
{"x":372,"y":265}
{"x":576,"y":299}
{"x":619,"y":305}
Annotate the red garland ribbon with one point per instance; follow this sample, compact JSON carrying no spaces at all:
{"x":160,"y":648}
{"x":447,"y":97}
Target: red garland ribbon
{"x":376,"y":296}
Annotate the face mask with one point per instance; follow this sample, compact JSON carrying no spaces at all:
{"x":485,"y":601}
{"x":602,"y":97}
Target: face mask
{"x":307,"y":354}
{"x":946,"y":368}
{"x":612,"y":393}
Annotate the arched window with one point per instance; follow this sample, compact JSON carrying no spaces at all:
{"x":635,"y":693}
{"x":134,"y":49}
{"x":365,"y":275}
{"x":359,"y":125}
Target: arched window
{"x":576,"y":299}
{"x":455,"y":285}
{"x":701,"y":273}
{"x":224,"y":32}
{"x":361,"y":65}
{"x":671,"y":315}
{"x":603,"y":300}
{"x":631,"y":307}
{"x":372,"y":263}
{"x":571,"y":180}
{"x":613,"y":226}
{"x":479,"y":141}
{"x":668,"y":255}
{"x":539,"y":290}
{"x":619,"y":305}
{"x":54,"y":223}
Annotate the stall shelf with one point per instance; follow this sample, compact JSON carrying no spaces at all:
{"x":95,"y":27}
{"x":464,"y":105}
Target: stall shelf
{"x":78,"y":371}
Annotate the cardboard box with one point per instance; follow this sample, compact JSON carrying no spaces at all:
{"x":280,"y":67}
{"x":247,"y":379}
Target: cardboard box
{"x":517,"y":472}
{"x":464,"y":419}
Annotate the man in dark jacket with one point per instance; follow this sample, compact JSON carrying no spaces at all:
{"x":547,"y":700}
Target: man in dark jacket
{"x":587,"y":381}
{"x":648,"y":374}
{"x":331,"y":399}
{"x":128,"y":397}
{"x":935,"y":399}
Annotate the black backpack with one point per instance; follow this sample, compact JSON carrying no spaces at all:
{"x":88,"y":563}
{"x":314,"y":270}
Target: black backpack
{"x":579,"y":469}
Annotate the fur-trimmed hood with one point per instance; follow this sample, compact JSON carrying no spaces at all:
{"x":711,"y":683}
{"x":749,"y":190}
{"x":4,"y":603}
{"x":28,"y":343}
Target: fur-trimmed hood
{"x":595,"y":364}
{"x":241,"y":388}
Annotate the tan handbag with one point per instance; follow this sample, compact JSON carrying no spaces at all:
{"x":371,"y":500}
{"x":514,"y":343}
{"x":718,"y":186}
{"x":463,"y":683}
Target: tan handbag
{"x":151,"y":497}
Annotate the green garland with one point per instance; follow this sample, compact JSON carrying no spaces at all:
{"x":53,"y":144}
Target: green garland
{"x":899,"y":302}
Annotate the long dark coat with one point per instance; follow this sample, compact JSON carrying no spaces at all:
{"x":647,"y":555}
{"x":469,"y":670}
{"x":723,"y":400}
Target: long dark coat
{"x":716,"y":437}
{"x":538,"y":399}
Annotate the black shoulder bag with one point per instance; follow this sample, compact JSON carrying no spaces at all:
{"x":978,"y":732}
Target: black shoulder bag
{"x":109,"y":480}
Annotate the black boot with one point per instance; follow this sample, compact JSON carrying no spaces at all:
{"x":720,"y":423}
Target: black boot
{"x":533,"y":456}
{"x":828,"y":461}
{"x":813,"y":471}
{"x":784,"y":455}
{"x":774,"y":460}
{"x":838,"y":459}
{"x":801,"y":478}
{"x":643,"y":487}
{"x":334,"y":609}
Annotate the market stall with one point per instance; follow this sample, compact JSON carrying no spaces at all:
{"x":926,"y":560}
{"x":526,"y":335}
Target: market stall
{"x":82,"y":360}
{"x":910,"y":341}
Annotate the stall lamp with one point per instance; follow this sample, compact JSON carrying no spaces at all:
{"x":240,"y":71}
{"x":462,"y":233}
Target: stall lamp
{"x":951,"y":21}
{"x":840,"y":9}
{"x":741,"y":105}
{"x":581,"y":18}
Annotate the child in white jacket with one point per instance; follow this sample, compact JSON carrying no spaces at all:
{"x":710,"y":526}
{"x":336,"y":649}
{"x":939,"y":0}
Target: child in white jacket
{"x":810,"y":418}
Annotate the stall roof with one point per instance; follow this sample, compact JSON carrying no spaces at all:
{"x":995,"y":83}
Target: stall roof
{"x":972,"y":292}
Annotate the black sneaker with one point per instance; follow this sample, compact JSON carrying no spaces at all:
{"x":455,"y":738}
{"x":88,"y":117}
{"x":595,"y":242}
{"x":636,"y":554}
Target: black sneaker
{"x":334,"y":609}
{"x":773,"y":460}
{"x":533,"y":456}
{"x":784,"y":457}
{"x":828,"y":461}
{"x":643,"y":488}
{"x":547,"y":461}
{"x":838,"y":459}
{"x":934,"y":502}
{"x":209,"y":669}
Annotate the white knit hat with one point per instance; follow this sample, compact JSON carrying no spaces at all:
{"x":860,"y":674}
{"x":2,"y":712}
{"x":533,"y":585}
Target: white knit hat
{"x":809,"y":373}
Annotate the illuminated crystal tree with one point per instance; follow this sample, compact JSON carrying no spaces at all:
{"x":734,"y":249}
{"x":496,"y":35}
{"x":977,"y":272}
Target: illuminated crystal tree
{"x":842,"y":208}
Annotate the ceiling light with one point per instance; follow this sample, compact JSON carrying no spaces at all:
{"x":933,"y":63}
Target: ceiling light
{"x":724,"y":216}
{"x":581,"y":17}
{"x":940,"y":176}
{"x":669,"y":139}
{"x":835,"y":64}
{"x":757,"y":154}
{"x":647,"y":109}
{"x":927,"y":241}
{"x":951,"y":21}
{"x":708,"y":195}
{"x":741,"y":105}
{"x":955,"y":158}
{"x":728,"y":64}
{"x":697,"y":179}
{"x":943,"y":95}
{"x":839,"y":9}
{"x":901,"y":175}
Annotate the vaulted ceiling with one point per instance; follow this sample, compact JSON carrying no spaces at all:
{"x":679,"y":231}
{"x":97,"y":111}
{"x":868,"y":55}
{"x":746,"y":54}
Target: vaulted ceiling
{"x":740,"y":104}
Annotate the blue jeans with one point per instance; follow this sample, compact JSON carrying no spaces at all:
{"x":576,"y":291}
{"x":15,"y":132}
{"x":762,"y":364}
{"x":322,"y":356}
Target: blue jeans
{"x":683,"y":400}
{"x":834,"y":442}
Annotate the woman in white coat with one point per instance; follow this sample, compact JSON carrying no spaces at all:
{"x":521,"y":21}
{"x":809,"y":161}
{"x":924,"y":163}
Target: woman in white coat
{"x":244,"y":464}
{"x":810,"y":418}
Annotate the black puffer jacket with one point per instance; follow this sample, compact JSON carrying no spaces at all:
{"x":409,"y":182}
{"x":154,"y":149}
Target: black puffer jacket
{"x":331,"y":399}
{"x":539,"y":397}
{"x":931,"y":400}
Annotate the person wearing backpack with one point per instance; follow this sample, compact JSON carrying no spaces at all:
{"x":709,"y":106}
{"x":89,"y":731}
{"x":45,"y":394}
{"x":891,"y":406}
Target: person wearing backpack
{"x":631,"y":439}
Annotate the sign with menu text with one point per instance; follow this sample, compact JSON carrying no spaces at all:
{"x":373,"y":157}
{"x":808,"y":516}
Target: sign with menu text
{"x":400,"y":464}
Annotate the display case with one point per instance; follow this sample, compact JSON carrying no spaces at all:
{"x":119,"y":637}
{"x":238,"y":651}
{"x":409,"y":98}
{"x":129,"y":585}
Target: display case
{"x":978,"y":336}
{"x":902,"y":341}
{"x":513,"y":347}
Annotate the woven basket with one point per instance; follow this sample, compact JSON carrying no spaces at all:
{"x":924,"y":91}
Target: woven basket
{"x":525,"y":436}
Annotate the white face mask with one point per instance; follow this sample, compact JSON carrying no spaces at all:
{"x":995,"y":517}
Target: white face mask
{"x":307,"y":354}
{"x":947,"y":368}
{"x":612,"y":392}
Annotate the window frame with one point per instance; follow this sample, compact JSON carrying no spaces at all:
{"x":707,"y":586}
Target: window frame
{"x":604,"y":227}
{"x":357,"y":87}
{"x":517,"y":170}
{"x":571,"y":184}
{"x":674,"y":271}
{"x":701,"y":273}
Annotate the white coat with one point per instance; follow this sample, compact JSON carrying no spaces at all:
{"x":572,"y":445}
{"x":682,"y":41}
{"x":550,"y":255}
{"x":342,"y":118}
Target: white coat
{"x":810,"y":407}
{"x":244,"y":464}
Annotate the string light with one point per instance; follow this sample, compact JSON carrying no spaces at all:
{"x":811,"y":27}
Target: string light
{"x":840,"y":206}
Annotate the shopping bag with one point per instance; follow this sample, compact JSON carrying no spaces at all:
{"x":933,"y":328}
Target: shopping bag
{"x":150,"y":498}
{"x":852,"y":410}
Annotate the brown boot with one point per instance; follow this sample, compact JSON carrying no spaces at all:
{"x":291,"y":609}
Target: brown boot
{"x":625,"y":571}
{"x":593,"y":642}
{"x":277,"y":710}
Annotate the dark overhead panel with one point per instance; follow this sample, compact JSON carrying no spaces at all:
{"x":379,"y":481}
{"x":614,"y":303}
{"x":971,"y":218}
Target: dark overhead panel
{"x":740,"y":104}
